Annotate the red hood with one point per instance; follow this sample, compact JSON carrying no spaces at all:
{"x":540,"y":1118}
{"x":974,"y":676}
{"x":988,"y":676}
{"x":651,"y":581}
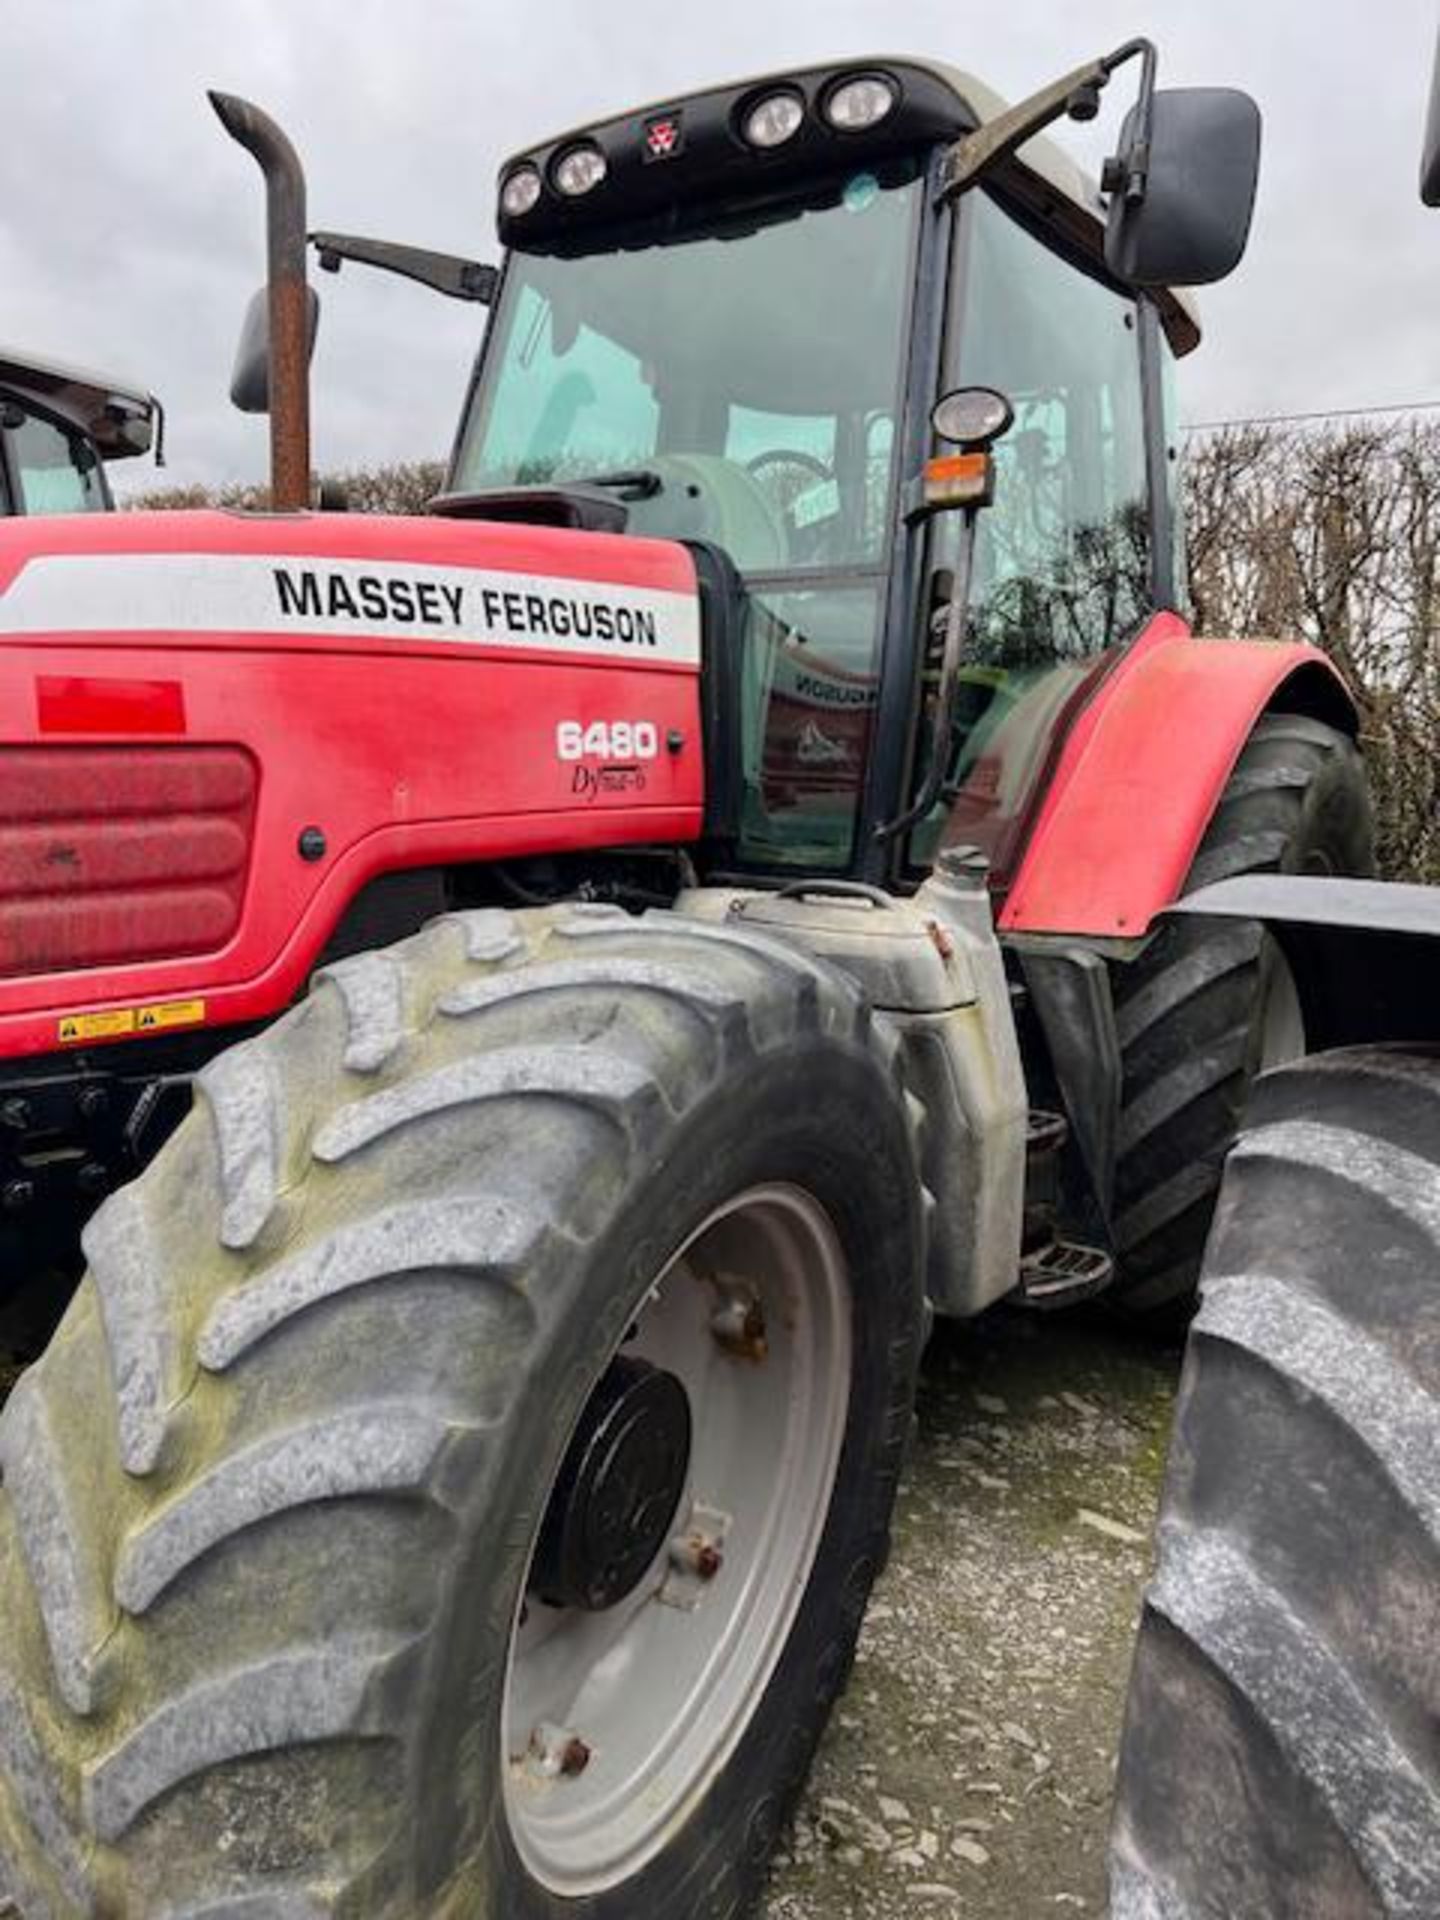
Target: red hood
{"x":352,"y":577}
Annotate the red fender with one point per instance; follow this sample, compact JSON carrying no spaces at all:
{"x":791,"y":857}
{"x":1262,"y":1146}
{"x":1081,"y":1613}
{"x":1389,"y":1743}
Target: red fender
{"x":1141,"y":773}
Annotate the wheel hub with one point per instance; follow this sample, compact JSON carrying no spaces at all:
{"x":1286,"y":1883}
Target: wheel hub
{"x":615,"y":1501}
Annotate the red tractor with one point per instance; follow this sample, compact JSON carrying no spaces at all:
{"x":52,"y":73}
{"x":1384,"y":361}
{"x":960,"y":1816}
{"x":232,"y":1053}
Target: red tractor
{"x":522,"y":1014}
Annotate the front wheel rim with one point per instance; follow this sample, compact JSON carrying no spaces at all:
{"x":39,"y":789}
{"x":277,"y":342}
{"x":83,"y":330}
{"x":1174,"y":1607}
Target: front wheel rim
{"x":616,"y":1723}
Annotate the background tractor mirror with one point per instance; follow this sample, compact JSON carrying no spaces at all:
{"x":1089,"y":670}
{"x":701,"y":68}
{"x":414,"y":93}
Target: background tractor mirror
{"x":250,"y":381}
{"x":1181,"y":201}
{"x":1430,"y":159}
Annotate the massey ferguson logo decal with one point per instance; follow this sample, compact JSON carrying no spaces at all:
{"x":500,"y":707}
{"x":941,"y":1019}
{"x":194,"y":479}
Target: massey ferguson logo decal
{"x":664,"y":136}
{"x":500,"y":610}
{"x":380,"y":599}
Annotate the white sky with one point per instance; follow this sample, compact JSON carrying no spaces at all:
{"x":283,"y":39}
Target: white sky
{"x":131,"y":228}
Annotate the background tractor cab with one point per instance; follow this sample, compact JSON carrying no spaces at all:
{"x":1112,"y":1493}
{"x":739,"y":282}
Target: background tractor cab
{"x":58,"y":428}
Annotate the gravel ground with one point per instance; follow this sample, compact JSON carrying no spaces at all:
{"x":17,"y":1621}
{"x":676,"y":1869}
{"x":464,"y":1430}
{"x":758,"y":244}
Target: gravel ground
{"x":968,"y":1769}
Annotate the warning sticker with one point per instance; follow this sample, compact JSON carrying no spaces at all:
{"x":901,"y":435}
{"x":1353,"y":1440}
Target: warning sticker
{"x":118,"y":1022}
{"x":175,"y":1013}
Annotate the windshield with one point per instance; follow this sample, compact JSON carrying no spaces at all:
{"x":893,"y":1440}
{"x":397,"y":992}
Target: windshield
{"x":748,"y":378}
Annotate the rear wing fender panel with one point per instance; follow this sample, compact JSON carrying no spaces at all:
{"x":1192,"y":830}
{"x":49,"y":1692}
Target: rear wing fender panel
{"x":1143,"y":769}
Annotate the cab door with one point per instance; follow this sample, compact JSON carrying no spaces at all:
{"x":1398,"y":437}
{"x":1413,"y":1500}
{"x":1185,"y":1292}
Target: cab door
{"x":1063,"y":571}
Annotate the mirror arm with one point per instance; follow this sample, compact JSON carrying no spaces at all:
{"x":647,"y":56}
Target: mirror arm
{"x":1128,"y":173}
{"x":447,"y":273}
{"x":1076,"y":94}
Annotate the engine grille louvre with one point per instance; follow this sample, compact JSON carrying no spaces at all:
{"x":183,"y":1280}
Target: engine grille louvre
{"x":114,"y":855}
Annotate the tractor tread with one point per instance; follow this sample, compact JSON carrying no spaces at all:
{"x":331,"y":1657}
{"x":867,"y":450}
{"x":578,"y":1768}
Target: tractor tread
{"x":243,"y":1096}
{"x":62,"y":1553}
{"x":1235,"y":948}
{"x":619,"y":1090}
{"x":1187,"y":1007}
{"x":27,"y":1781}
{"x":1167,"y":1098}
{"x":1295,"y":1693}
{"x":147,"y":1359}
{"x":317,"y":1694}
{"x":673,"y":981}
{"x":1284,"y":1671}
{"x":282,"y":1904}
{"x":385,"y":1448}
{"x":487,"y":1238}
{"x":372,"y":986}
{"x":255,"y":1404}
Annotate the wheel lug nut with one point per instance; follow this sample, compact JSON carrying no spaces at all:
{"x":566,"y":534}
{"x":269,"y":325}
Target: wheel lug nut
{"x":557,"y":1752}
{"x":693,"y":1553}
{"x":738,"y":1325}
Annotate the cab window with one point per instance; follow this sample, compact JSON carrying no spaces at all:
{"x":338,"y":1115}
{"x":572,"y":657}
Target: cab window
{"x":56,"y":470}
{"x":737,"y":383}
{"x":1062,"y":558}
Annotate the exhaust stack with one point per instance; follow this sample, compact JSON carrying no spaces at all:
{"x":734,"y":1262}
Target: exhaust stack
{"x":288,"y":296}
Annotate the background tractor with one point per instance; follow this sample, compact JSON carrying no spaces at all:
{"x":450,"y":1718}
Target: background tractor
{"x":1279,"y":1756}
{"x":58,"y":428}
{"x":727,"y":845}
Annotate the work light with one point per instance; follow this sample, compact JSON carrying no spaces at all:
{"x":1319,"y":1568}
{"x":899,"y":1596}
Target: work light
{"x":578,"y":170}
{"x":520,"y":191}
{"x":773,"y":120}
{"x":855,"y":105}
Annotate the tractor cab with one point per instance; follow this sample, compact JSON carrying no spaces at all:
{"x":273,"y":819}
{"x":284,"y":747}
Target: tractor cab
{"x":732,"y":314}
{"x":59,"y":426}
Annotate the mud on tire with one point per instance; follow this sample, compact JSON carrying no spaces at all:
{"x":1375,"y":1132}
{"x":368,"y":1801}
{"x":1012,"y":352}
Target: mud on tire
{"x":269,"y":1498}
{"x":1280,"y":1759}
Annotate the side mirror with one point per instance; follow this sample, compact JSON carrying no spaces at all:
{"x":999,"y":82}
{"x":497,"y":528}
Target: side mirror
{"x":1181,"y":203}
{"x":1430,"y":158}
{"x":250,"y":381}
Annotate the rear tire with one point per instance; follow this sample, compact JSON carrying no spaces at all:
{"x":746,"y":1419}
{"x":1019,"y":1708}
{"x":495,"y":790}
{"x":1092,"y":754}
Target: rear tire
{"x":1209,"y":1005}
{"x":271,"y":1496}
{"x":1281,"y":1752}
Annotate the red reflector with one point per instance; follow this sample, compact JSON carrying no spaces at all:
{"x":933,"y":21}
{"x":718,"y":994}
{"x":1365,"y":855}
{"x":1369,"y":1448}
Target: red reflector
{"x":72,"y":705}
{"x":110,"y":855}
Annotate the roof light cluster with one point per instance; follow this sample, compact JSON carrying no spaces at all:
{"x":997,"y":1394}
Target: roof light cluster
{"x":850,"y":103}
{"x":853,"y":103}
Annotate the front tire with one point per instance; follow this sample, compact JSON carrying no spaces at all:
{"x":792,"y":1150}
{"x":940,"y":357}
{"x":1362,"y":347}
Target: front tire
{"x":272,"y":1499}
{"x":1280,"y":1758}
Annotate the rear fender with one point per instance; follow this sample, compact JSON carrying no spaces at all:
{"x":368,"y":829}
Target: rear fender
{"x":1365,"y":953}
{"x":1142,"y":771}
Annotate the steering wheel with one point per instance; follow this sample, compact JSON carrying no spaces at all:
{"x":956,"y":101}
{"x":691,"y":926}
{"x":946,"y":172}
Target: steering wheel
{"x":806,"y":541}
{"x":790,"y":457}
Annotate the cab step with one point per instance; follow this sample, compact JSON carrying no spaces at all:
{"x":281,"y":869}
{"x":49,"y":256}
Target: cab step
{"x":1061,"y":1273}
